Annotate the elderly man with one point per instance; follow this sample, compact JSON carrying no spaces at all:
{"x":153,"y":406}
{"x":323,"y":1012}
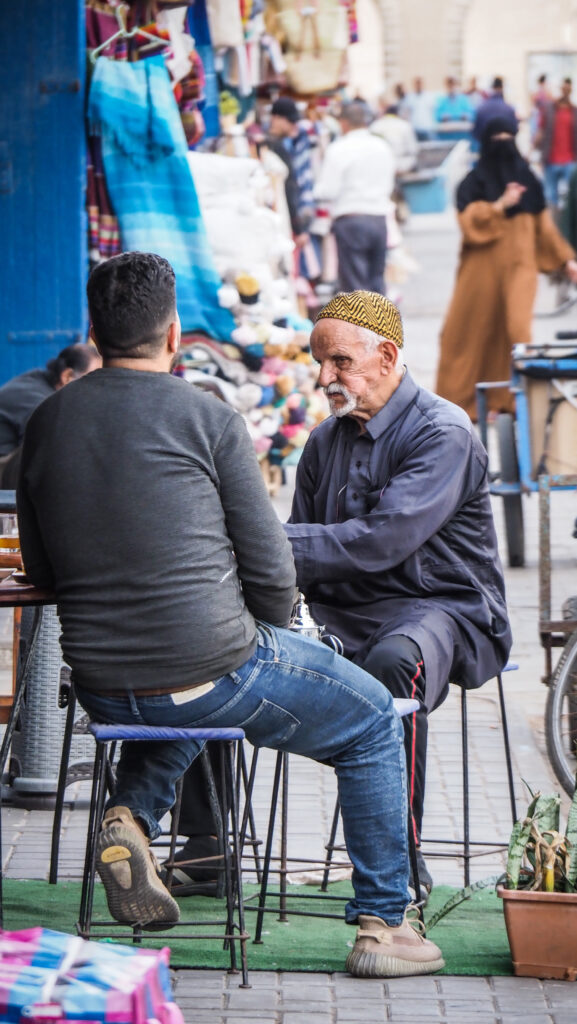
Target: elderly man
{"x":391,"y":524}
{"x":177,"y":614}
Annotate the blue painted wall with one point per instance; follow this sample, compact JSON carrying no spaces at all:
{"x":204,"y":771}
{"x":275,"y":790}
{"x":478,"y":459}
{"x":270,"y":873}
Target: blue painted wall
{"x":43,"y":254}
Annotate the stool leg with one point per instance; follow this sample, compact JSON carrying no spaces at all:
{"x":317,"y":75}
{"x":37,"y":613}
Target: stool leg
{"x":268,"y":848}
{"x":330,"y":847}
{"x":173,"y":833}
{"x":62,"y":776}
{"x":507,"y":748}
{"x":248,"y":813}
{"x":465,"y":751}
{"x":20,"y":687}
{"x":225,"y":778}
{"x":217,"y":814}
{"x":94,"y":818}
{"x":284,"y":841}
{"x":413,"y":863}
{"x":232,"y":863}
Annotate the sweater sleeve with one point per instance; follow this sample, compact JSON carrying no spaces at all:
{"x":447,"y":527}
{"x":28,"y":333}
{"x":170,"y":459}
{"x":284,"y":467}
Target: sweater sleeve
{"x":553,"y":250}
{"x":481,"y":223}
{"x":264,"y":558}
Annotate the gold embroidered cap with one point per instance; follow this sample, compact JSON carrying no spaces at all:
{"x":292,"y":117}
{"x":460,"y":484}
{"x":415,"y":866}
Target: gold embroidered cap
{"x":366,"y":309}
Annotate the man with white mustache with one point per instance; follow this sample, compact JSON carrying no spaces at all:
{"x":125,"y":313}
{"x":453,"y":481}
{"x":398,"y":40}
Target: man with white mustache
{"x":391,"y":525}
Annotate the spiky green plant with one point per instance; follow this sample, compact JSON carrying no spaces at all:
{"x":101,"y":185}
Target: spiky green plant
{"x":540,"y":856}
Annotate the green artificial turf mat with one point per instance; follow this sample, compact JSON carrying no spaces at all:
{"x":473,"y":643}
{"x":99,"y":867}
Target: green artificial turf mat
{"x":472,"y":936}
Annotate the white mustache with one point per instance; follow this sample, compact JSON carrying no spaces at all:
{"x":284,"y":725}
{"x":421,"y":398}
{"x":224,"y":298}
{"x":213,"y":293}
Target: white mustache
{"x":350,"y":399}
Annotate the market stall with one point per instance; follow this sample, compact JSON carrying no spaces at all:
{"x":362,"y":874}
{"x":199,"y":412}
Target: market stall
{"x":178,"y":164}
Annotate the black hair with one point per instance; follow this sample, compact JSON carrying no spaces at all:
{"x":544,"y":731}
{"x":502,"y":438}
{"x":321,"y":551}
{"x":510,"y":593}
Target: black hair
{"x":497,"y":82}
{"x":131,"y":301}
{"x":78,"y":357}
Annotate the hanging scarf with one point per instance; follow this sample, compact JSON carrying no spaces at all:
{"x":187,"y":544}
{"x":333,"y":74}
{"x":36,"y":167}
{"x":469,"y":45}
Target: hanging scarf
{"x":500,"y":162}
{"x":148,"y":176}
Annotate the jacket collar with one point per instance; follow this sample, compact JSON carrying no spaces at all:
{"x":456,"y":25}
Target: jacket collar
{"x":399,"y":401}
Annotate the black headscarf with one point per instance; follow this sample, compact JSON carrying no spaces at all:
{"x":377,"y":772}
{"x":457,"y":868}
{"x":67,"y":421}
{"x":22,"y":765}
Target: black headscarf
{"x":499,"y":163}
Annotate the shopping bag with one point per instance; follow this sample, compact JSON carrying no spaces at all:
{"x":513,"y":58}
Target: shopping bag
{"x":48,"y":976}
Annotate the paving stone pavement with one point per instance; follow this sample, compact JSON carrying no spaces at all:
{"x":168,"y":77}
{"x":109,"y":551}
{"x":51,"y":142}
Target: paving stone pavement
{"x":291,"y":998}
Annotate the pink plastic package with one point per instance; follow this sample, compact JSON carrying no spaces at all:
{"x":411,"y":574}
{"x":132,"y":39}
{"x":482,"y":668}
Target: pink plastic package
{"x":48,"y":976}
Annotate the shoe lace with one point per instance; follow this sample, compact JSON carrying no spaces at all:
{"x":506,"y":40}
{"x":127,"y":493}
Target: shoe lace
{"x":412,"y":915}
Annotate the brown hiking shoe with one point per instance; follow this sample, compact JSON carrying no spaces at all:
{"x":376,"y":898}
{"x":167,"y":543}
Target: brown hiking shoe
{"x":129,"y":873}
{"x":381,"y":951}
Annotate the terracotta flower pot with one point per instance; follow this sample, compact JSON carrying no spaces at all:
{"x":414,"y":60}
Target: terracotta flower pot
{"x":542,"y":932}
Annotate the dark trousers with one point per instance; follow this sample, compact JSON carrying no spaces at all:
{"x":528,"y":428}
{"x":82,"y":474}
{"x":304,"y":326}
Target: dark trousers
{"x":394,"y":660}
{"x":196,"y":818}
{"x":361,"y":249}
{"x":397,"y":662}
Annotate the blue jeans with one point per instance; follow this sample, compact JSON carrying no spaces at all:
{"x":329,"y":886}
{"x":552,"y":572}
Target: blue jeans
{"x":293,"y":694}
{"x":556,"y":174}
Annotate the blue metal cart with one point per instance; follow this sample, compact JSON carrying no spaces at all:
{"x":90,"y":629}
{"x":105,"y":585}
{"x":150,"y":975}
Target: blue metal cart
{"x":541,"y":439}
{"x":537,"y":451}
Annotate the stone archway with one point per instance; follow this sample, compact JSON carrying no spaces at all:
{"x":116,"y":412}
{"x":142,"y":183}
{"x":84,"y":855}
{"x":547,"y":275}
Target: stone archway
{"x":455,"y":18}
{"x":391,"y":16}
{"x":450,"y":37}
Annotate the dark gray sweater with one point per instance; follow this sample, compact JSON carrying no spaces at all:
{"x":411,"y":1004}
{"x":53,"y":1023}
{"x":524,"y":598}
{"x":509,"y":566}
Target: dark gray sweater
{"x":19,"y":398}
{"x":141,"y":501}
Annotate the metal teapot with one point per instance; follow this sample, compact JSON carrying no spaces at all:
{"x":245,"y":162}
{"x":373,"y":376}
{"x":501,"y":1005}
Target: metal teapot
{"x":302,"y":622}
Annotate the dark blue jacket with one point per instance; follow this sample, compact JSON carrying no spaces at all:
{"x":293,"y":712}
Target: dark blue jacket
{"x":397,"y":521}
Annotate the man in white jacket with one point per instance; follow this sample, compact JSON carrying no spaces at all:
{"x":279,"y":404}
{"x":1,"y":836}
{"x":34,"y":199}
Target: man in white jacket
{"x":356,"y":182}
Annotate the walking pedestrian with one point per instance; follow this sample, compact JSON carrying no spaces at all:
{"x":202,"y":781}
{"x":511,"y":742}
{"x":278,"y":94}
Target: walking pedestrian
{"x":559,"y":144}
{"x":356,"y":181}
{"x":508,"y":236}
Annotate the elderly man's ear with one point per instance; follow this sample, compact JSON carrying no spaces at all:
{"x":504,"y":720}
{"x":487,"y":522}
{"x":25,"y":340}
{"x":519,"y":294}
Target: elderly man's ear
{"x":389,"y":354}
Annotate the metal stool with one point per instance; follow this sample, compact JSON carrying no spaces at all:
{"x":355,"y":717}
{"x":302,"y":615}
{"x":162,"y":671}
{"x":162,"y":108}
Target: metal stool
{"x":466,"y":842}
{"x":84,"y":770}
{"x":230,"y":743}
{"x":403,"y":707}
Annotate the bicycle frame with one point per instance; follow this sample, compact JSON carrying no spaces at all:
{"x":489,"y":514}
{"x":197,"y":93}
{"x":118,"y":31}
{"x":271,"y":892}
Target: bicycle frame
{"x":553,"y":632}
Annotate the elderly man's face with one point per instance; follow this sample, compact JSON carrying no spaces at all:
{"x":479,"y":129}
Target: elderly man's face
{"x":356,"y":380}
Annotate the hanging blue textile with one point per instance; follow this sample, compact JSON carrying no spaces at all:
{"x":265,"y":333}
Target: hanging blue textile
{"x":150,"y":183}
{"x":197,"y":24}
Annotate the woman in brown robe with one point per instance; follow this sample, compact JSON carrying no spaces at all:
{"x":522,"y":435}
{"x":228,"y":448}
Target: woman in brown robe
{"x":508,"y":236}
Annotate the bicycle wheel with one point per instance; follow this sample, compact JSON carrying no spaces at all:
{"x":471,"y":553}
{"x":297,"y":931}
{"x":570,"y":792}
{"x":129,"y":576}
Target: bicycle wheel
{"x":561,"y":717}
{"x":512,"y":503}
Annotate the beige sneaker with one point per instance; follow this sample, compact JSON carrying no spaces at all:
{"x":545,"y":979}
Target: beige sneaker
{"x":129,"y":873}
{"x":381,"y":951}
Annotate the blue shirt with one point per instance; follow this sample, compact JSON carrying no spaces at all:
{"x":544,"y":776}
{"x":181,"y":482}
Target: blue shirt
{"x":454,"y":108}
{"x":394,"y":523}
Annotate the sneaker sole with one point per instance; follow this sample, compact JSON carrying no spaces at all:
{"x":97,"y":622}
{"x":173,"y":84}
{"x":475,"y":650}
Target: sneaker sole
{"x":124,"y":869}
{"x":374,"y":965}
